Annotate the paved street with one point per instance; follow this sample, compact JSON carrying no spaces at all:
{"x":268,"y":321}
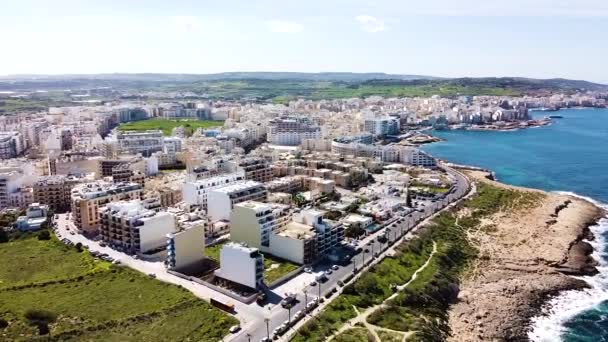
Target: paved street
{"x":253,"y":316}
{"x":276,"y":314}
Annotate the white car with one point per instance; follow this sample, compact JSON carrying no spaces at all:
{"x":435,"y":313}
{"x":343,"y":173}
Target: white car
{"x":335,"y":267}
{"x":308,"y":270}
{"x":233,"y":329}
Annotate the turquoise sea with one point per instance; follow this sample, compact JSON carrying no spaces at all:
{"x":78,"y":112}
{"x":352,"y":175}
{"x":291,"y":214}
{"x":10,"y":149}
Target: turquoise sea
{"x":571,"y":155}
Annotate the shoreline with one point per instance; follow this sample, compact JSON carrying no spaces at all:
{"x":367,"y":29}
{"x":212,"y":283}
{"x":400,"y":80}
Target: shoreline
{"x":530,"y":257}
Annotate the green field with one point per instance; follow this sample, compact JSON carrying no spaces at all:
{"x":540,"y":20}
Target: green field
{"x":274,"y":268}
{"x":167,"y":125}
{"x":92,"y":300}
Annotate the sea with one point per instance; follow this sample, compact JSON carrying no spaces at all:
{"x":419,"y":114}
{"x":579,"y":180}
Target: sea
{"x":568,"y":156}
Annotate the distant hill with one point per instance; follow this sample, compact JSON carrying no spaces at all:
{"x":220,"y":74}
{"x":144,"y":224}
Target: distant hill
{"x":303,"y":76}
{"x":284,"y":86}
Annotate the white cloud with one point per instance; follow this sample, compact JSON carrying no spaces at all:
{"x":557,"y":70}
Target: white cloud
{"x":281,"y":26}
{"x":370,"y":24}
{"x":186,"y":23}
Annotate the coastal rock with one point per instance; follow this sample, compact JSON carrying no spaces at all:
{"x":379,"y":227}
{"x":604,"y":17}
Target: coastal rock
{"x":528,"y":262}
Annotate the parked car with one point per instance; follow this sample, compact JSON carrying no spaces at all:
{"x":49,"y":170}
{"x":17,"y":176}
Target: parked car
{"x":328,"y":272}
{"x":340,"y":283}
{"x":308,"y":270}
{"x":313,"y":283}
{"x":233,"y":329}
{"x":151,"y":275}
{"x":335,"y":267}
{"x":102,"y":244}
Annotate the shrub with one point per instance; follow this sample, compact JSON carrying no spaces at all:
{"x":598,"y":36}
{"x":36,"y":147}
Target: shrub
{"x":44,"y":235}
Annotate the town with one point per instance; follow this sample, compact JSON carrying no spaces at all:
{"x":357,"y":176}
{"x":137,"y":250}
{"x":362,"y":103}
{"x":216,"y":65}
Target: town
{"x":265,"y":210}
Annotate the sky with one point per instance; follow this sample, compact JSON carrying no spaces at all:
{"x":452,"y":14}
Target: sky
{"x":448,"y":38}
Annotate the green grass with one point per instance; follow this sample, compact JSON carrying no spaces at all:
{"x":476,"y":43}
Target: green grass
{"x":167,"y":125}
{"x":371,"y":288}
{"x":389,"y":336}
{"x":355,"y":335}
{"x":97,"y":301}
{"x":33,"y":261}
{"x":274,"y":268}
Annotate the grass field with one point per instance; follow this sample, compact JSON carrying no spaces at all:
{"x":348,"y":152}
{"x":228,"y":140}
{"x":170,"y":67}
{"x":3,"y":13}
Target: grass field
{"x":273,"y":268}
{"x":167,"y":125}
{"x":93,"y":300}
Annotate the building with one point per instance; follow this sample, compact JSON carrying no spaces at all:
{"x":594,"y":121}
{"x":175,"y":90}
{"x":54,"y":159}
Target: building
{"x":12,"y":145}
{"x":36,"y":215}
{"x":296,"y":242}
{"x":256,"y":169}
{"x":88,"y":198}
{"x":195,"y":192}
{"x":131,"y":227}
{"x":10,"y":182}
{"x":290,"y":131}
{"x":382,"y":126}
{"x":185,"y":248}
{"x":252,"y":222}
{"x":242,"y":265}
{"x":328,"y":234}
{"x":144,"y":142}
{"x":222,"y":199}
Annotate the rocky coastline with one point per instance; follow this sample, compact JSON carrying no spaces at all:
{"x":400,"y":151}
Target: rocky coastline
{"x":527,"y":258}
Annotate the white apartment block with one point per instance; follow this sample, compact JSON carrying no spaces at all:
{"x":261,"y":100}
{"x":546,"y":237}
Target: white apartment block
{"x":241,"y":264}
{"x":222,"y":199}
{"x":195,"y":192}
{"x":146,"y":142}
{"x":252,"y":222}
{"x":131,"y":227}
{"x":12,"y":145}
{"x":290,"y":131}
{"x":382,"y":126}
{"x":185,"y":248}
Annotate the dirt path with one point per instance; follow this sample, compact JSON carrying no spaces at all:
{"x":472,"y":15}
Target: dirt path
{"x":362,"y":316}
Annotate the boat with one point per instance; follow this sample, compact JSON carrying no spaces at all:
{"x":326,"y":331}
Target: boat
{"x":555,"y":117}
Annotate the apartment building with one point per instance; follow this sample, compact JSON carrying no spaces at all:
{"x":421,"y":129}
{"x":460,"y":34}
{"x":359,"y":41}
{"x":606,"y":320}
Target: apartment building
{"x":222,"y":199}
{"x":256,"y":169}
{"x":144,"y":142}
{"x":185,"y":247}
{"x":131,"y":227}
{"x":12,"y":145}
{"x":290,"y":131}
{"x":10,"y":182}
{"x":88,"y":198}
{"x":382,"y":126}
{"x":195,"y":192}
{"x":241,"y":264}
{"x":252,"y":222}
{"x":328,"y":234}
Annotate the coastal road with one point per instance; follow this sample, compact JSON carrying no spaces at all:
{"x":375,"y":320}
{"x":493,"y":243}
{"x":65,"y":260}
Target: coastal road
{"x":397,"y":230}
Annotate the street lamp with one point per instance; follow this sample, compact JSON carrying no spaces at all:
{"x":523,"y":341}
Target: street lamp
{"x":305,"y":299}
{"x":267,"y":320}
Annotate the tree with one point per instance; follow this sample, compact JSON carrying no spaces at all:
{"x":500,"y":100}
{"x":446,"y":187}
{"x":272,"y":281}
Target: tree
{"x":44,"y":235}
{"x":78,"y":247}
{"x":41,"y":319}
{"x":3,"y":235}
{"x":354,"y":231}
{"x":408,"y":199}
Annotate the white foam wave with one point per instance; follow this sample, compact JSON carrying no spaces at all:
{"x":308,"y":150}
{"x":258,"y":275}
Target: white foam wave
{"x":549,"y":326}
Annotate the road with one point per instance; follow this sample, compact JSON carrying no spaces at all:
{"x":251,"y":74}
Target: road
{"x":244,"y":313}
{"x":256,"y":321}
{"x":397,"y":230}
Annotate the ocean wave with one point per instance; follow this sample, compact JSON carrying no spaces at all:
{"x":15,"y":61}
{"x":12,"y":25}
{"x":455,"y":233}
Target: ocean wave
{"x":549,"y":326}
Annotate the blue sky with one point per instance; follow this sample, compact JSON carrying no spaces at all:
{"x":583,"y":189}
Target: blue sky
{"x":451,"y":38}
